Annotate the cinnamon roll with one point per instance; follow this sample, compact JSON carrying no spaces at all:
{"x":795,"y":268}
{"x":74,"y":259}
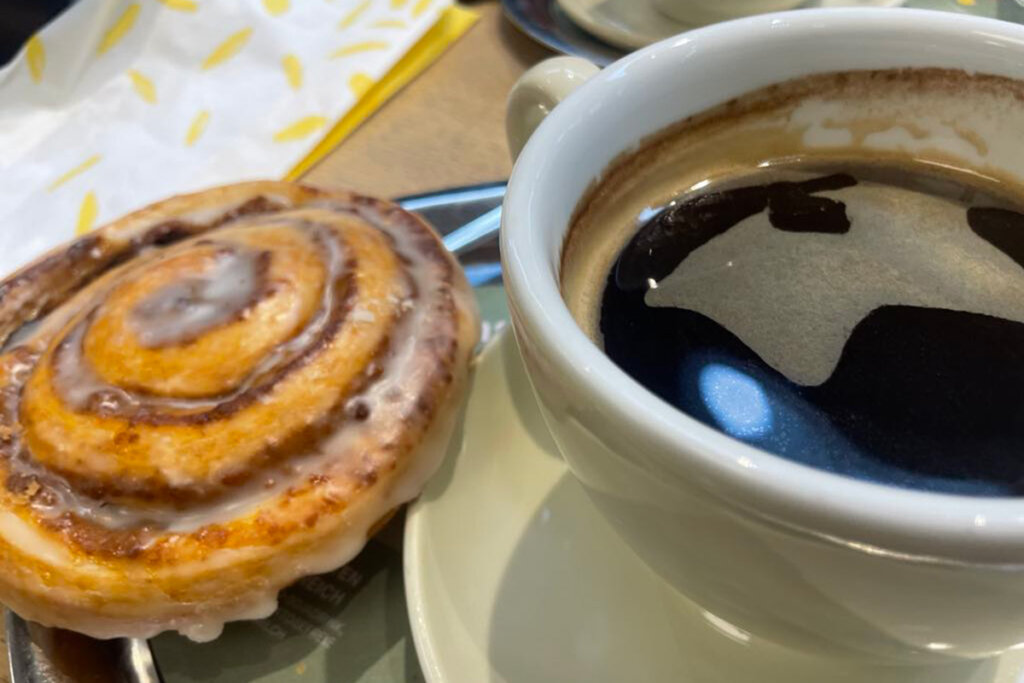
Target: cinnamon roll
{"x":220,"y":394}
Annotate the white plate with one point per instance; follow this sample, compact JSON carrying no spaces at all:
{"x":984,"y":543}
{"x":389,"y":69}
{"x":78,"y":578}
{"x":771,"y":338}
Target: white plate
{"x":632,"y":24}
{"x":512,"y":576}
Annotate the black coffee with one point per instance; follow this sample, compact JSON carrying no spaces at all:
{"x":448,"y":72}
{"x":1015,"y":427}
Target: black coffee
{"x":866,"y":321}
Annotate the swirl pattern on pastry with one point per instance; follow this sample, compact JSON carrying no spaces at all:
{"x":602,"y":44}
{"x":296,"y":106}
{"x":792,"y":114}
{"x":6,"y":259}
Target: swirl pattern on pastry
{"x":223,"y":392}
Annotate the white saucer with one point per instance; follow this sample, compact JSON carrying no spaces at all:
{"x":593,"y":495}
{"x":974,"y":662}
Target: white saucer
{"x":633,"y":24}
{"x":512,"y":576}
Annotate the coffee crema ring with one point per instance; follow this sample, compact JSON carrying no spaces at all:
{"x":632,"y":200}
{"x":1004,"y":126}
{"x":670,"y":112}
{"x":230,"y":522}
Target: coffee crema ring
{"x":222,"y":393}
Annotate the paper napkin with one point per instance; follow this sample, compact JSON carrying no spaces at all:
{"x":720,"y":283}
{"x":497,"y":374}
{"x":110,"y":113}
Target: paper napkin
{"x":117,"y":103}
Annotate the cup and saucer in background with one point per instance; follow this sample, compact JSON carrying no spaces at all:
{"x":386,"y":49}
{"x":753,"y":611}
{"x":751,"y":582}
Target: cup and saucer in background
{"x":633,"y":24}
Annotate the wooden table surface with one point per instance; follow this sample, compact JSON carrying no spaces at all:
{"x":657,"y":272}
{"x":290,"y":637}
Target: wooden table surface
{"x":444,"y":129}
{"x":447,"y":127}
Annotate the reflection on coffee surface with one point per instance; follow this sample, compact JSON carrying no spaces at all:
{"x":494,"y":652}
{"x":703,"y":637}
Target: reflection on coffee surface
{"x":859,"y":315}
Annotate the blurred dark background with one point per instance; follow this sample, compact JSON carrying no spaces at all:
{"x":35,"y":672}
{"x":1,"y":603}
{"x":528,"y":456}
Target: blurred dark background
{"x":19,"y":19}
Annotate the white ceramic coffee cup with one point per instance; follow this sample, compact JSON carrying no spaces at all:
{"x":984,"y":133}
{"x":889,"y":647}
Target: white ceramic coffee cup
{"x":772,"y":546}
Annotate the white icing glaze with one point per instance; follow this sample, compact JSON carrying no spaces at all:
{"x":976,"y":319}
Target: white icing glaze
{"x":189,"y":307}
{"x":25,"y":536}
{"x":77,"y":383}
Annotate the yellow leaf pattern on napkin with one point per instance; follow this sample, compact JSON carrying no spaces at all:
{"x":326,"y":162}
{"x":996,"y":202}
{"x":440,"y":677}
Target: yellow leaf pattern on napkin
{"x":353,"y":16}
{"x":276,"y":7}
{"x":143,"y":86}
{"x":159,"y":70}
{"x":35,"y":55}
{"x":231,"y":46}
{"x":197,"y":127}
{"x":87,"y":213}
{"x":304,"y":127}
{"x":180,"y":5}
{"x":120,"y":27}
{"x":76,"y":171}
{"x":292,"y":71}
{"x":359,"y":84}
{"x":420,"y":7}
{"x":356,"y":48}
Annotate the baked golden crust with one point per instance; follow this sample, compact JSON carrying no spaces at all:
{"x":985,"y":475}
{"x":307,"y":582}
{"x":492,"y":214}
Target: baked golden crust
{"x":225,"y":392}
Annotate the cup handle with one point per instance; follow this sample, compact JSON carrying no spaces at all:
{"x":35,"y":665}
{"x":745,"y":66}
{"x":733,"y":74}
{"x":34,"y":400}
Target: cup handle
{"x":537,"y":92}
